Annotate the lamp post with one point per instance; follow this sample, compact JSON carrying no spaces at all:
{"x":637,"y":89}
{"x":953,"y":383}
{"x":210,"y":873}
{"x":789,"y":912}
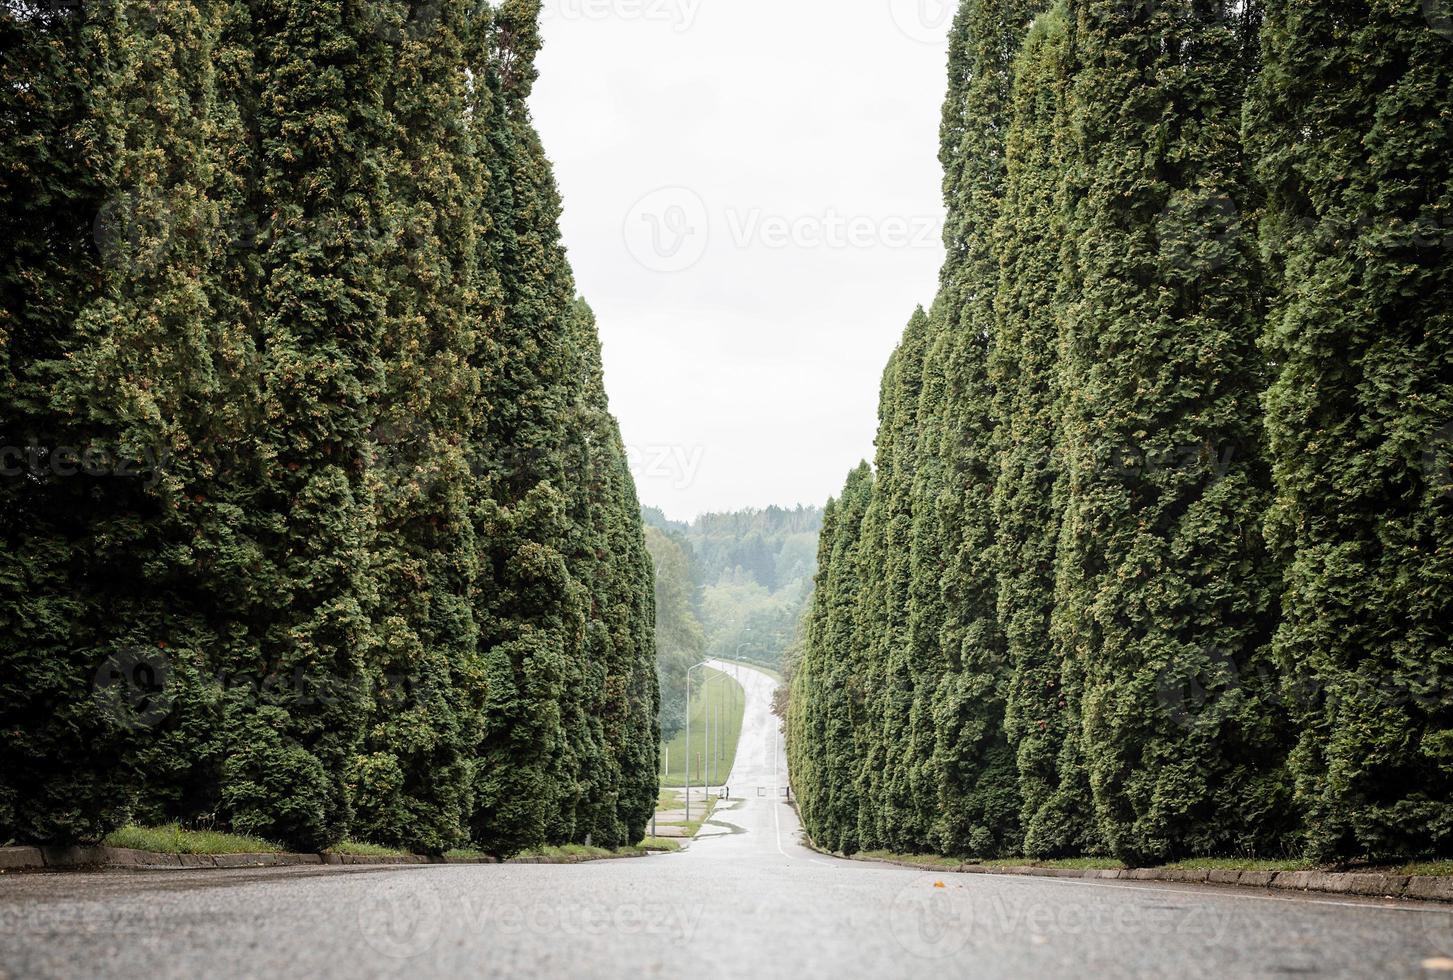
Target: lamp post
{"x":688,"y":737}
{"x":711,"y":748}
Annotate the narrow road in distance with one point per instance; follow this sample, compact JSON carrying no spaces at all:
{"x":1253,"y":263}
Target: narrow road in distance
{"x":749,"y":900}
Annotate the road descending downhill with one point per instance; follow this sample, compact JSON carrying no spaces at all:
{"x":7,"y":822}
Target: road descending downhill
{"x":747,"y":899}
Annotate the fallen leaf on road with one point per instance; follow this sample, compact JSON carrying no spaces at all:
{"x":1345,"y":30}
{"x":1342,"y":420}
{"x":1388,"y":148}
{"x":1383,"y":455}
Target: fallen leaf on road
{"x":939,"y":884}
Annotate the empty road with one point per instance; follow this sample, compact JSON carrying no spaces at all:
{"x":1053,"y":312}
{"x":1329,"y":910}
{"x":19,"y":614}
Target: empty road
{"x":747,"y":901}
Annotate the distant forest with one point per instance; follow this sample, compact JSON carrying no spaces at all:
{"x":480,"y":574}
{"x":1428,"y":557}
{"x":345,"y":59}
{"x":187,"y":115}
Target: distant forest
{"x":727,"y":585}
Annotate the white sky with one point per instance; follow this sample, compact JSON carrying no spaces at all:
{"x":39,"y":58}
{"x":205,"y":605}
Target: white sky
{"x":753,"y":208}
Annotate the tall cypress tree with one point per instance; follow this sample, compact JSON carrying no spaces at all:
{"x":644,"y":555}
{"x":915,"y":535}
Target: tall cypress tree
{"x":889,"y":685}
{"x":1353,"y":136}
{"x":827,"y":734}
{"x":533,"y":620}
{"x":619,"y":700}
{"x":1025,"y":370}
{"x":321,"y":301}
{"x":976,"y":801}
{"x":904,"y":739}
{"x":1166,"y":571}
{"x":413,"y":781}
{"x":61,"y":772}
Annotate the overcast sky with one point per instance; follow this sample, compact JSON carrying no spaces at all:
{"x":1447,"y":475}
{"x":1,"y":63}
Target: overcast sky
{"x":753,"y":208}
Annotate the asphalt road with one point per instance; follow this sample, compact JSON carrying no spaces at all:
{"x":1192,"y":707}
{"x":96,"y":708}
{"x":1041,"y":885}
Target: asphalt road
{"x":747,"y":901}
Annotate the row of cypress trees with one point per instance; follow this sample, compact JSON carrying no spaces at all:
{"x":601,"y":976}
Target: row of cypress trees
{"x":1156,"y":559}
{"x":354,"y":549}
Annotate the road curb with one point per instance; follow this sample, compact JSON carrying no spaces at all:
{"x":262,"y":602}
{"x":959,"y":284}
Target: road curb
{"x":1425,"y":888}
{"x":121,"y":858}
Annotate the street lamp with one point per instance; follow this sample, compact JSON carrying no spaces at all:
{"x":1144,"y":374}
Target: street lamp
{"x":688,"y":736}
{"x":705,"y":745}
{"x":712,"y":747}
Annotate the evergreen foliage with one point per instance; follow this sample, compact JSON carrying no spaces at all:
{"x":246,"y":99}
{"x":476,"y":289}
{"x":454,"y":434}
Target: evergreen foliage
{"x":1353,"y":134}
{"x":1177,"y":511}
{"x":1029,"y":381}
{"x":1165,"y":569}
{"x":377,"y":567}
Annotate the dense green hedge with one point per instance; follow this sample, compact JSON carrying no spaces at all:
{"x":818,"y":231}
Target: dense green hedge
{"x":1179,"y":533}
{"x":352,"y":548}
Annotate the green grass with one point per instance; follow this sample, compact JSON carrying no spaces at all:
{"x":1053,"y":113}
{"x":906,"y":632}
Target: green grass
{"x":661,"y":844}
{"x":933,"y":859}
{"x":726,"y":695}
{"x":1239,"y":864}
{"x":465,"y":854}
{"x":950,"y":863}
{"x":581,"y":851}
{"x":1443,"y":868}
{"x":172,"y":839}
{"x":669,"y":800}
{"x":361,"y":849}
{"x":1059,"y":864}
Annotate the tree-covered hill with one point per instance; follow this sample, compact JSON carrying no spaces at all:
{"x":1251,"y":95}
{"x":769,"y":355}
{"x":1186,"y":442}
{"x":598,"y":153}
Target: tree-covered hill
{"x":733,"y":586}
